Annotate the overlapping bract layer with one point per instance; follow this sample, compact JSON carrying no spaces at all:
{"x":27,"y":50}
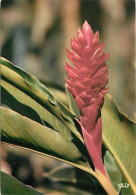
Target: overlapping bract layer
{"x":86,"y":81}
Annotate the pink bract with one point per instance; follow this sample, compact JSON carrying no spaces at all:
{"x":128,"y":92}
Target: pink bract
{"x":86,"y":82}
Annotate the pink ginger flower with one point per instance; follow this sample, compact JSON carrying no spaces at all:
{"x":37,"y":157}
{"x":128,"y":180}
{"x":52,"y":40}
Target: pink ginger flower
{"x":86,"y":82}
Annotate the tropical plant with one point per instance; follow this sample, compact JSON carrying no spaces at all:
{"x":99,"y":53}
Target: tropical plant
{"x":33,"y":119}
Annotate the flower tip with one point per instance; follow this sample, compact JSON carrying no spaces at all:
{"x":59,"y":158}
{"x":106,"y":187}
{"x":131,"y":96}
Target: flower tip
{"x":86,"y":26}
{"x":87,"y":32}
{"x":85,"y":23}
{"x":96,"y":35}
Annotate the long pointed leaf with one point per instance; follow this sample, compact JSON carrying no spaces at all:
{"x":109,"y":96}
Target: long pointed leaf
{"x":10,"y":185}
{"x":21,"y":131}
{"x":23,"y":93}
{"x":119,"y":137}
{"x":28,"y":84}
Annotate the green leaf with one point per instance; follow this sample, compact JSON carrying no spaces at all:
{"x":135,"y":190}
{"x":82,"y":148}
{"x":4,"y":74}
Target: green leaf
{"x":28,"y":90}
{"x":24,"y":94}
{"x":24,"y":132}
{"x":10,"y":185}
{"x":27,"y":106}
{"x":119,"y":137}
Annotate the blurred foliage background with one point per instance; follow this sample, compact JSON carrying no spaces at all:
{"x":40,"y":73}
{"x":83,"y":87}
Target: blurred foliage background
{"x":34,"y":36}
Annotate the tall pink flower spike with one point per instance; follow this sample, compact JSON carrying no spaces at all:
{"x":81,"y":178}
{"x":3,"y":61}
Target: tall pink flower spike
{"x":86,"y":82}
